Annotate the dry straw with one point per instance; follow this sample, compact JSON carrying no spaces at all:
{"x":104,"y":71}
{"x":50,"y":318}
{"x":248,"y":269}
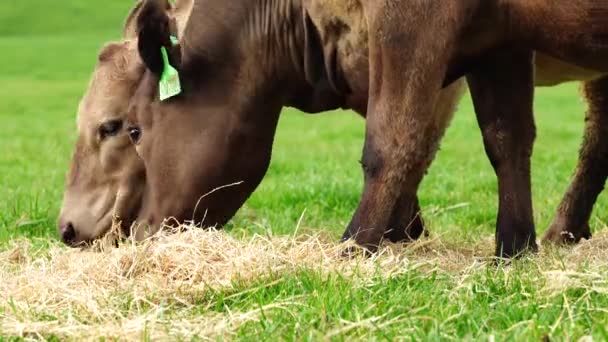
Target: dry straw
{"x":123,"y":293}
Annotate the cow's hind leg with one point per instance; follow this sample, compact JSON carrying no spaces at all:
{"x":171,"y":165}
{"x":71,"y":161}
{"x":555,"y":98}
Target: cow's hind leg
{"x":502,"y":90}
{"x":571,"y":222}
{"x":409,"y":49}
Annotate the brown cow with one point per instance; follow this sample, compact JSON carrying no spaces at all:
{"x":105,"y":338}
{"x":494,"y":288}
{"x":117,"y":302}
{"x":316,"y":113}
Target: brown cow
{"x":107,"y":177}
{"x":547,"y":70}
{"x":113,"y":74}
{"x":236,"y":77}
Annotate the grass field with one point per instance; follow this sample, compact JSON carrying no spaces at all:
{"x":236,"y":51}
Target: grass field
{"x":48,"y":51}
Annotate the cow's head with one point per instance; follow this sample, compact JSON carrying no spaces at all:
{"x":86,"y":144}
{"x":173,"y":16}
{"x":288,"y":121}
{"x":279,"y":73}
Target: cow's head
{"x":207,"y":148}
{"x":106,"y":177}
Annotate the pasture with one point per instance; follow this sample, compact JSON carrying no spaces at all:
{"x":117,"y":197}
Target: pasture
{"x":273,"y":272}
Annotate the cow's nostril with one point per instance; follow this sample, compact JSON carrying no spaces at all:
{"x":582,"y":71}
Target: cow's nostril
{"x":68,"y":233}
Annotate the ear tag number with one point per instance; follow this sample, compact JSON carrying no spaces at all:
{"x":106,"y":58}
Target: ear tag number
{"x":169,"y":85}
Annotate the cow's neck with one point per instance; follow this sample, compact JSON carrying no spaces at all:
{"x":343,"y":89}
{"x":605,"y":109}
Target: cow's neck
{"x":289,"y":45}
{"x":273,"y":29}
{"x":268,"y":41}
{"x":316,"y":50}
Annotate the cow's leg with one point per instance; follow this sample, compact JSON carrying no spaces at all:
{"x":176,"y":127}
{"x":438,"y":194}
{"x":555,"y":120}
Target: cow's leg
{"x":571,"y":222}
{"x":503,"y":91}
{"x":406,"y":223}
{"x":404,"y":227}
{"x":409,"y":47}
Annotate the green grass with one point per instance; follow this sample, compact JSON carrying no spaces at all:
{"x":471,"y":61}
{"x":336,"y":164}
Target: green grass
{"x":49,"y":50}
{"x":402,"y":307}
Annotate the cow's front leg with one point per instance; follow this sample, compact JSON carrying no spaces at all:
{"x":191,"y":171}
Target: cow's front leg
{"x":409,"y":49}
{"x":571,"y":223}
{"x":503,"y":91}
{"x":406,"y":223}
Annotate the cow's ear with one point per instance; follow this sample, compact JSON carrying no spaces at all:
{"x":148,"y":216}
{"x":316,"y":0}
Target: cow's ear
{"x":153,"y":27}
{"x":129,"y":29}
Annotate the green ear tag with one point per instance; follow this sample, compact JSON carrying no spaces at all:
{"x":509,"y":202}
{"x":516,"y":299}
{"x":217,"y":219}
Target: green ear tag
{"x":169,"y":85}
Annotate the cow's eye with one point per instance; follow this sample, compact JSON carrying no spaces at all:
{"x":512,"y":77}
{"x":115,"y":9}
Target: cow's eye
{"x":134,"y":134}
{"x":109,"y":128}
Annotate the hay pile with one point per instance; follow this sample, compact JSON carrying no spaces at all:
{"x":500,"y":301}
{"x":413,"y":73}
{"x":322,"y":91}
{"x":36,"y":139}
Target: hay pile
{"x":122,"y":292}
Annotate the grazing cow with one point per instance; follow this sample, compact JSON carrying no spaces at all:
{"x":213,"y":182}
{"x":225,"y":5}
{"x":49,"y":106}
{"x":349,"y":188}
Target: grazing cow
{"x":106,"y":176}
{"x":240,"y":62}
{"x":572,"y":213}
{"x":105,"y":179}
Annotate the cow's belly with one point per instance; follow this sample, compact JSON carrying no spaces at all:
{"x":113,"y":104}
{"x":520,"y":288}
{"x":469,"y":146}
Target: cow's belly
{"x":551,"y":71}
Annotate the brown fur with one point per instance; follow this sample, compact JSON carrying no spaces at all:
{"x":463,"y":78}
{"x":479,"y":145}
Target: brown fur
{"x":413,"y":47}
{"x":104,"y":168}
{"x":343,"y":27}
{"x":106,"y":176}
{"x":571,"y":222}
{"x":494,"y":29}
{"x":352,"y":53}
{"x":397,"y":151}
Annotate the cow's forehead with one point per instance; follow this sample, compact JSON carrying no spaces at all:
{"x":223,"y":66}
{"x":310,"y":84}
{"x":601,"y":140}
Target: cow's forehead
{"x":106,"y":93}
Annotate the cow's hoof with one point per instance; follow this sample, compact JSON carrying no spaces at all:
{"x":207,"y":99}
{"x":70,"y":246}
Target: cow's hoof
{"x":516,"y":249}
{"x":413,"y":231}
{"x":352,"y":252}
{"x":559,"y":233}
